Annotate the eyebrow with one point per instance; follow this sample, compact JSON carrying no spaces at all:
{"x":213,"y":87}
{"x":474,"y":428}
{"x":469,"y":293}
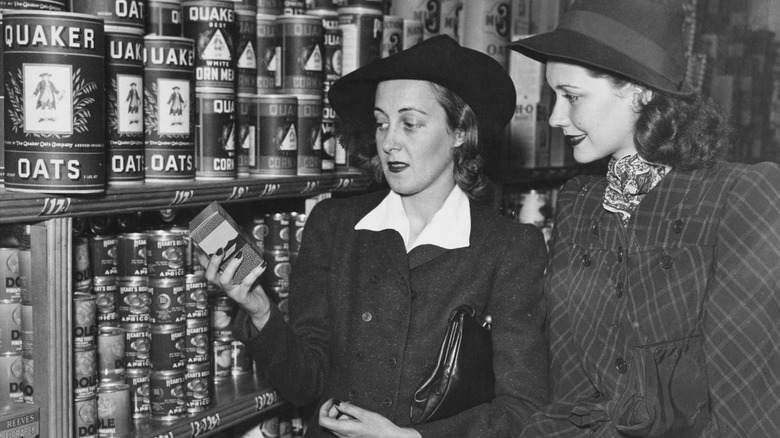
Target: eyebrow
{"x":404,"y":109}
{"x":565,"y":86}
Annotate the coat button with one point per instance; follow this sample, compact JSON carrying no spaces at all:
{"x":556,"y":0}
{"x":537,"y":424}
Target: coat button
{"x":367,"y":316}
{"x":620,"y":254}
{"x":392,"y":362}
{"x":353,"y":395}
{"x":619,"y":290}
{"x":666,"y":261}
{"x":595,"y":229}
{"x":678,"y":226}
{"x":586,"y":260}
{"x":387,"y":402}
{"x":373,"y":279}
{"x":621,"y":365}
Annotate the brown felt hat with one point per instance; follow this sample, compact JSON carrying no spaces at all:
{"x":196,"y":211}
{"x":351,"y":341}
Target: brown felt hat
{"x":475,"y":77}
{"x":641,"y":40}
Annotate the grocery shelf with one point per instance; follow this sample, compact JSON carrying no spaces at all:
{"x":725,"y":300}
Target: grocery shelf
{"x":22,"y":207}
{"x":550,"y":174}
{"x":235,"y":400}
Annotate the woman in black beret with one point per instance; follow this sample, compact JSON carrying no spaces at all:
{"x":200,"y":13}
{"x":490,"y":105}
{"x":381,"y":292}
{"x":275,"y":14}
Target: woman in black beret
{"x":664,"y":316}
{"x":377,"y":275}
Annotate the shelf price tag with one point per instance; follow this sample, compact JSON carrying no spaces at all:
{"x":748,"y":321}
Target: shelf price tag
{"x":270,"y":190}
{"x":205,"y":424}
{"x":310,"y":186}
{"x":54,"y":206}
{"x":266,"y":399}
{"x":344,"y":183}
{"x":182,"y":197}
{"x":238,"y":192}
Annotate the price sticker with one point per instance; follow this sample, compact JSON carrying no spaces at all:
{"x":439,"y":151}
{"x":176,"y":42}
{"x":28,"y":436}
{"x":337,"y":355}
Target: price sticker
{"x":205,"y":424}
{"x":182,"y":197}
{"x":266,"y":399}
{"x":270,"y":190}
{"x":344,"y":183}
{"x":310,"y":186}
{"x":238,"y":192}
{"x":54,"y":206}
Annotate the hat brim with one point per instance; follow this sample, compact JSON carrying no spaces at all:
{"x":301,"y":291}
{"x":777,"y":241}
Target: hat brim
{"x":574,"y":47}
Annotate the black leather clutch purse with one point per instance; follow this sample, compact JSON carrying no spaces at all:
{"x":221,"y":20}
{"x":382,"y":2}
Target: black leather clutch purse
{"x":463,"y":374}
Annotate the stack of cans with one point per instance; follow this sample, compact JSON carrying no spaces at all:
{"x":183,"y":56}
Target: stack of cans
{"x":11,"y":360}
{"x":24,"y":256}
{"x":276,"y":252}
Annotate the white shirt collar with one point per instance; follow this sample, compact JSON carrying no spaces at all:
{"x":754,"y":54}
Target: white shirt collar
{"x":450,"y":227}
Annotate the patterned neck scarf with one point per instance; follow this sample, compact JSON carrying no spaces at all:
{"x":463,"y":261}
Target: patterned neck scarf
{"x":630,"y":178}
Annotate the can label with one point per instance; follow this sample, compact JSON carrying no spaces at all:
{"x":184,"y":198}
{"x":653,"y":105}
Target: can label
{"x":138,"y":341}
{"x":197,"y":387}
{"x":223,"y":358}
{"x":241,"y":362}
{"x":277,"y":122}
{"x":169,"y":110}
{"x":302,"y":40}
{"x":167,"y":394}
{"x":247,"y":133}
{"x":103,"y":255}
{"x":276,"y":277}
{"x":86,"y":417}
{"x":125,"y":102}
{"x":223,"y":312}
{"x":55,"y":108}
{"x":269,"y":54}
{"x":198,"y":342}
{"x":28,"y":380}
{"x":165,"y":254}
{"x":168,"y":344}
{"x":114,"y":410}
{"x":27,"y":329}
{"x":297,"y":222}
{"x":111,"y":355}
{"x":216,"y":139}
{"x":309,"y":135}
{"x":11,"y":373}
{"x":138,"y":383}
{"x":84,"y":321}
{"x":259,"y":232}
{"x":212,"y":25}
{"x":163,"y":17}
{"x":270,"y":7}
{"x":168,"y":295}
{"x":487,"y":28}
{"x":247,"y":61}
{"x":106,"y":291}
{"x":11,"y":288}
{"x":114,"y":12}
{"x":85,"y":372}
{"x":427,"y":12}
{"x":413,"y":33}
{"x":134,"y":301}
{"x":392,"y":35}
{"x":131,"y":256}
{"x":196,"y":301}
{"x":361,"y":37}
{"x":277,"y":237}
{"x":82,"y":271}
{"x":332,"y":51}
{"x":24,"y":256}
{"x":40,"y":5}
{"x":294,"y":7}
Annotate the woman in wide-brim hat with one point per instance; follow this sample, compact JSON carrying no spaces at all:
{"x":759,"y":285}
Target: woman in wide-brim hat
{"x":664,"y":316}
{"x":378,"y":275}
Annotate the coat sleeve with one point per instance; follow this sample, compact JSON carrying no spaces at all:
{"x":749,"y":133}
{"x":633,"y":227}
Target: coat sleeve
{"x":294,"y":357}
{"x":742,"y":309}
{"x":520,"y":352}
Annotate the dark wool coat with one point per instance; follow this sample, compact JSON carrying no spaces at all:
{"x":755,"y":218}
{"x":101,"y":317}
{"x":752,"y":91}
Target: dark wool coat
{"x":366,"y":320}
{"x":670,"y":326}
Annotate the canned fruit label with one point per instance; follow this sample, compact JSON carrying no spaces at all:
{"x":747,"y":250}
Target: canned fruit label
{"x":86,"y":417}
{"x":197,"y":298}
{"x":82,"y":270}
{"x":11,"y":288}
{"x":167,"y":394}
{"x":134,"y":302}
{"x":138,"y":383}
{"x":111,"y":354}
{"x":103,"y":255}
{"x":10,"y":327}
{"x":84,"y":320}
{"x":114,"y":416}
{"x":223,"y":312}
{"x":167,"y":347}
{"x":85,"y":373}
{"x":138,"y":344}
{"x":131,"y":256}
{"x":11,"y":375}
{"x":223,"y":358}
{"x":198,"y":342}
{"x":167,"y":301}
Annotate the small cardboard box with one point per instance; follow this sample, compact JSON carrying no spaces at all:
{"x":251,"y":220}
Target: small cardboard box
{"x":19,"y":420}
{"x":213,"y":229}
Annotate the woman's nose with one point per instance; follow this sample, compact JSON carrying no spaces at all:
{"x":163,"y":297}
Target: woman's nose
{"x":558,"y":118}
{"x":388,"y":140}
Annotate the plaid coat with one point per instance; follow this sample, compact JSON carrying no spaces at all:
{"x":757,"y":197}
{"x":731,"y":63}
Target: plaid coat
{"x":670,"y":326}
{"x":367,"y":320}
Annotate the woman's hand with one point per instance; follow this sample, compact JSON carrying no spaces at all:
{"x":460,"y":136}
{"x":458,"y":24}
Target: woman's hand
{"x":349,"y":421}
{"x":253,"y":300}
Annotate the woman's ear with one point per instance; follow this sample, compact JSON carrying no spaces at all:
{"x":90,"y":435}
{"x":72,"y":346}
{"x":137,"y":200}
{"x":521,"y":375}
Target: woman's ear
{"x":642,"y":96}
{"x":460,"y":137}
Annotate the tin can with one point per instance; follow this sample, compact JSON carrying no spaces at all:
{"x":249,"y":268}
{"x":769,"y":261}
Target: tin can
{"x":169,"y":109}
{"x":125,"y":13}
{"x":39,"y":5}
{"x":167,"y":348}
{"x":54,"y":138}
{"x":167,"y":394}
{"x":487,"y":28}
{"x":331,"y":46}
{"x":332,"y":149}
{"x":278,"y":235}
{"x":24,"y":256}
{"x":138,"y":344}
{"x":111,"y":355}
{"x":223,"y":358}
{"x":134,"y":301}
{"x":241,"y":362}
{"x":323,"y":5}
{"x":259,"y":232}
{"x":103,"y":255}
{"x":277,"y":125}
{"x":413,"y":33}
{"x":168,"y":296}
{"x":247,"y":132}
{"x":294,"y":7}
{"x":11,"y":374}
{"x":270,"y":7}
{"x":28,"y":380}
{"x":297,"y":222}
{"x":215,"y":134}
{"x":27,"y":329}
{"x":82,"y":271}
{"x":309,"y":134}
{"x":246,"y":64}
{"x":9,"y":270}
{"x":165,"y":254}
{"x":138,"y":385}
{"x":269,"y":54}
{"x":196,"y":301}
{"x":198,"y":341}
{"x":85,"y":372}
{"x":106,"y":291}
{"x":451,"y":18}
{"x":302,"y":42}
{"x":392,"y":35}
{"x":163,"y":17}
{"x":361,"y":36}
{"x":427,"y":12}
{"x":114,"y":411}
{"x":380,"y":5}
{"x":223,"y":313}
{"x":86,"y":417}
{"x":84,"y":320}
{"x":125,"y":104}
{"x":131,"y":256}
{"x":276,"y":277}
{"x":197,"y":387}
{"x":212,"y":25}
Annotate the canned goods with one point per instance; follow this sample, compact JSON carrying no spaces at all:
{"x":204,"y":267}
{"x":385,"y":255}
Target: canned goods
{"x":379,"y":5}
{"x":197,"y":387}
{"x":131,"y":256}
{"x":28,"y":380}
{"x":278,"y":236}
{"x":331,"y":46}
{"x":85,"y":372}
{"x":55,"y":140}
{"x":215,"y":134}
{"x":138,"y":385}
{"x":167,"y":347}
{"x":241,"y":362}
{"x":86,"y":417}
{"x":165,"y":254}
{"x":196,"y":302}
{"x":247,"y":132}
{"x":168,"y":297}
{"x":413,"y":33}
{"x":111,"y":354}
{"x":125,"y":99}
{"x":82,"y":271}
{"x":332,"y":151}
{"x":309,"y":134}
{"x":269,"y":428}
{"x":276,"y":277}
{"x":427,"y":12}
{"x":114,"y":417}
{"x":269,"y":53}
{"x":294,"y":7}
{"x":392,"y":35}
{"x":24,"y":256}
{"x":27,"y":331}
{"x":134,"y":301}
{"x":223,"y":358}
{"x":361,"y":36}
{"x":198,"y":340}
{"x":84,"y":321}
{"x":297,"y":222}
{"x":163,"y":17}
{"x":138,"y":344}
{"x":486,"y":28}
{"x":11,"y":374}
{"x":126,"y":13}
{"x":169,"y":110}
{"x":223,"y":313}
{"x":326,"y":5}
{"x":106,"y":292}
{"x":270,"y":7}
{"x":277,"y":125}
{"x":167,"y":395}
{"x":10,"y":327}
{"x":259,"y":232}
{"x":246,"y":63}
{"x":212,"y":25}
{"x":302,"y":41}
{"x":103,"y":255}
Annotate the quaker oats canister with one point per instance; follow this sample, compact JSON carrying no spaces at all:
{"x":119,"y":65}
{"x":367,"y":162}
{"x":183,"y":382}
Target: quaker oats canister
{"x":246,"y":141}
{"x":302,"y":41}
{"x":215,"y":141}
{"x":40,"y":5}
{"x":54,"y":80}
{"x":163,"y":17}
{"x":268,"y":51}
{"x":247,"y":39}
{"x":126,"y":13}
{"x":212,"y":25}
{"x":309,"y":134}
{"x":277,"y":125}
